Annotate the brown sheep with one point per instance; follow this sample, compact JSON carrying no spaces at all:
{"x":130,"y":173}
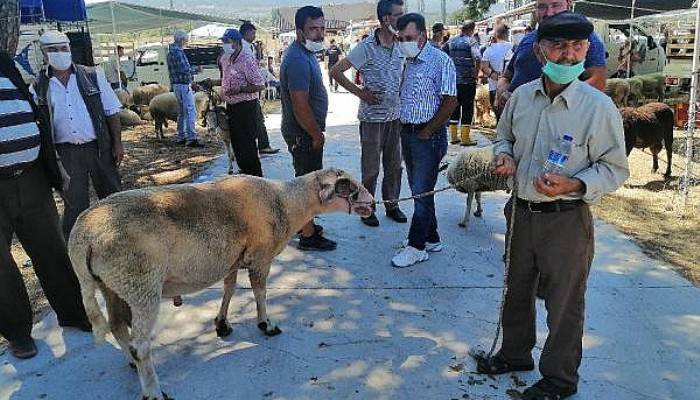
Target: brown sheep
{"x":142,"y":95}
{"x":212,"y":230}
{"x":651,"y":126}
{"x":618,"y":90}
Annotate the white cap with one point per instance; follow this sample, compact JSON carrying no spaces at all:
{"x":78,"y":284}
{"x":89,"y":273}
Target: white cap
{"x":53,"y":37}
{"x":179,"y":35}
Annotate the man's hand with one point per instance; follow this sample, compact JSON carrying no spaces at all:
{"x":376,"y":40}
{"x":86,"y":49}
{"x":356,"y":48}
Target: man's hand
{"x":368,"y":97}
{"x":117,"y":153}
{"x":502,"y":98}
{"x":504,"y":165}
{"x":552,"y":185}
{"x":318,"y":141}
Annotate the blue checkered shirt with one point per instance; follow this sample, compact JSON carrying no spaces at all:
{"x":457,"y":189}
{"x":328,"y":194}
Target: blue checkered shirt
{"x":426,"y":79}
{"x":179,"y":68}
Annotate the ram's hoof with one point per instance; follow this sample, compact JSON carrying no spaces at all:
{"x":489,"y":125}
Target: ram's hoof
{"x":132,"y":365}
{"x":269,"y":332}
{"x":477,"y":214}
{"x":223,"y":328}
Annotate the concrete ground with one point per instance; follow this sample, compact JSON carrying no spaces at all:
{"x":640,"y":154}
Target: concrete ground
{"x":356,"y":328}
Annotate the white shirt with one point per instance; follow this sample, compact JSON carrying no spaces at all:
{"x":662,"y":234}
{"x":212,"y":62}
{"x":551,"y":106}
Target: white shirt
{"x":496,"y":55}
{"x":70,"y":118}
{"x":248,"y":47}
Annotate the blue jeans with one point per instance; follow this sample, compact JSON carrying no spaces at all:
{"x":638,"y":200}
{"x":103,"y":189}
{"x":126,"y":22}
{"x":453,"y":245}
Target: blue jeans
{"x":187,"y":114}
{"x":422,"y":158}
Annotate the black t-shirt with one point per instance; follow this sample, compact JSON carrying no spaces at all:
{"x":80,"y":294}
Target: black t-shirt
{"x":333,"y":53}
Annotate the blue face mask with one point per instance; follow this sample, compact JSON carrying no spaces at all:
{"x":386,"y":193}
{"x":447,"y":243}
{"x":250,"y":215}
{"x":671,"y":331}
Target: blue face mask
{"x":563,"y":74}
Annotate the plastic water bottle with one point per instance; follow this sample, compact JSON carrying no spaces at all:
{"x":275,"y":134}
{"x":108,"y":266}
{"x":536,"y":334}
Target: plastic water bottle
{"x":558,"y":156}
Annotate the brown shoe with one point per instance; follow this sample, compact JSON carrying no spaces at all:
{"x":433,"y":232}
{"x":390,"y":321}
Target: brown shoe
{"x":23,"y":348}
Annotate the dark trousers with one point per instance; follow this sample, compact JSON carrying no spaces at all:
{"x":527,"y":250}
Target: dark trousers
{"x":306,"y":159}
{"x":381,"y":146}
{"x":422,"y":158}
{"x":492,"y":101}
{"x":261,"y":130}
{"x":243,"y":127}
{"x":27,"y":209}
{"x":557,"y":247}
{"x":332,"y":82}
{"x":464,"y":111}
{"x":83,"y":162}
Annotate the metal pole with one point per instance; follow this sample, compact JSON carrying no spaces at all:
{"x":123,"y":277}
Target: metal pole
{"x":692,"y":111}
{"x":114,"y":39}
{"x":443,"y":10}
{"x":629,"y":53}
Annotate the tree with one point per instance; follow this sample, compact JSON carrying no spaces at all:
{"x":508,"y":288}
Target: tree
{"x":9,"y":35}
{"x":473,"y":9}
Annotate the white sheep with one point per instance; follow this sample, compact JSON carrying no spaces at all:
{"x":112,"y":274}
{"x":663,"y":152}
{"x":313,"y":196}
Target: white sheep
{"x":471,"y":173}
{"x":217,"y":123}
{"x":129,"y":118}
{"x":164,"y":107}
{"x":124,"y":97}
{"x":142,"y":95}
{"x":140,"y":245}
{"x":619,"y":91}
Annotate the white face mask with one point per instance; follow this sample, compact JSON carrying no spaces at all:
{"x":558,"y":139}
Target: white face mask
{"x":61,"y":60}
{"x":393,"y":30}
{"x":228,"y":48}
{"x":314,"y":47}
{"x":409,"y":49}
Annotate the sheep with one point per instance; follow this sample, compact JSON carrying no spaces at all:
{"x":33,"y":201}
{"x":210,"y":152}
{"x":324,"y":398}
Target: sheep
{"x":217,"y":123}
{"x":143,"y":95}
{"x":125,"y":98}
{"x":165,"y":107}
{"x":482,"y":108}
{"x":636,"y":94}
{"x":653,"y":86}
{"x":212,"y":230}
{"x":129,"y":118}
{"x":618,"y":90}
{"x":650,"y":125}
{"x":472,"y":173}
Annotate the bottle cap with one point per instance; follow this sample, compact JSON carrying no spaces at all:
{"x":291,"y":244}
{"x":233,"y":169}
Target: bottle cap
{"x":568,"y":138}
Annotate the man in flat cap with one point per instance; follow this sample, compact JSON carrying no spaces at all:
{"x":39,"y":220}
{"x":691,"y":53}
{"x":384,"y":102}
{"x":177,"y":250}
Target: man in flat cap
{"x":553,"y":231}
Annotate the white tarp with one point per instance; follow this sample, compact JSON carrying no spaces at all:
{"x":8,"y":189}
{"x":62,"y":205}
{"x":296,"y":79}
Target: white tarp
{"x":209,"y":31}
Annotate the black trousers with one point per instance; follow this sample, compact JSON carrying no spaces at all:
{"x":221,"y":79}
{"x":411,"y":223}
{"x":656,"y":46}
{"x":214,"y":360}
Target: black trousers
{"x":83,"y":162}
{"x":306,"y":159}
{"x":27,"y":209}
{"x":261,"y":136}
{"x":244,"y":128}
{"x":492,"y":100}
{"x":465,"y":109}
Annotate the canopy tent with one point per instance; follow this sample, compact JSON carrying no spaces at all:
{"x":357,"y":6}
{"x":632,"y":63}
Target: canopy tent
{"x":209,"y":31}
{"x":33,"y":11}
{"x":622,"y":9}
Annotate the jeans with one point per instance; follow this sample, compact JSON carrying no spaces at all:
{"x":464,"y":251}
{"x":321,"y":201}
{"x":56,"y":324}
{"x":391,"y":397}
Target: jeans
{"x":187,"y":114}
{"x":422,"y":158}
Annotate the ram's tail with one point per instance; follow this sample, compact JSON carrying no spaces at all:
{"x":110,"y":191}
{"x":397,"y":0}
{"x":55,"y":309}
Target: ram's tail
{"x":88,"y":287}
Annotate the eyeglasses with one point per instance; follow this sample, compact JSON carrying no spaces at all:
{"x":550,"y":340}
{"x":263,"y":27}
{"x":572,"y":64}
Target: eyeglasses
{"x":561,"y":45}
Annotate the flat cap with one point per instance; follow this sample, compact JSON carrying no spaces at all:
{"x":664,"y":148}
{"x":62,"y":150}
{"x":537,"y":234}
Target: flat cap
{"x":438,"y":27}
{"x":49,"y":38}
{"x":567,"y":25}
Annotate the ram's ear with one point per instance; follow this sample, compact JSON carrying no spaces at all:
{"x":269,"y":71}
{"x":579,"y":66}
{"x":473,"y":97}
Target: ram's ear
{"x":327,"y":193}
{"x":344,"y":187}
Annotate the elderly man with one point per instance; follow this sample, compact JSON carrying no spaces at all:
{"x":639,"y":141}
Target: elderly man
{"x":181,"y":74}
{"x":464,"y":51}
{"x":248,"y":31}
{"x":305,"y":107}
{"x":380,"y":62}
{"x":241,"y":81}
{"x":525,"y":67}
{"x":553,"y":232}
{"x":84,"y":118}
{"x":428,"y":97}
{"x":29,"y":169}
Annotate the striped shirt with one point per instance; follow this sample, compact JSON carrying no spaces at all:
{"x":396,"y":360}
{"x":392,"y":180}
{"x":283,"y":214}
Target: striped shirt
{"x":19,"y":133}
{"x":380,"y":68}
{"x":426,"y":79}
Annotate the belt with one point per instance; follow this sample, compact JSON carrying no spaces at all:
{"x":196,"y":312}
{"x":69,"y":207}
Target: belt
{"x":414,"y":127}
{"x":17,"y":173}
{"x":550,"y":206}
{"x":77,"y":144}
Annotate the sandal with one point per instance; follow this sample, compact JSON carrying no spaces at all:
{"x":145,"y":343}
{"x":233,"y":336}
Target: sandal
{"x":497,"y":364}
{"x":544,"y":390}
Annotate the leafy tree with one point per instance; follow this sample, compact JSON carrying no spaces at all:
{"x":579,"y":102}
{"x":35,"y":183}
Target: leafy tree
{"x":473,"y":9}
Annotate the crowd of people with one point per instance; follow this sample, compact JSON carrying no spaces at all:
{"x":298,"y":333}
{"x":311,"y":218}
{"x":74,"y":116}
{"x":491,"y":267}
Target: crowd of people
{"x":413,"y":91}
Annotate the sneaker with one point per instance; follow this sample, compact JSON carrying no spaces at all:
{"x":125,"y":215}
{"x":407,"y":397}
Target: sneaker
{"x":409,"y":256}
{"x":316,"y":242}
{"x":371,"y":220}
{"x":23,"y":348}
{"x":195,"y":143}
{"x":268,"y":150}
{"x":397,"y":215}
{"x":429,"y":247}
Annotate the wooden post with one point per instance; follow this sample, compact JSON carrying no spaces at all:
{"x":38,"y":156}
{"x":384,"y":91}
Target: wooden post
{"x":9,"y":34}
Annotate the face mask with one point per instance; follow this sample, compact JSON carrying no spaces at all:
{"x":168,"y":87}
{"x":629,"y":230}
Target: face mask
{"x":409,"y":49}
{"x":61,"y":60}
{"x":561,"y":73}
{"x":313,"y":47}
{"x":228,"y":48}
{"x":393,"y":30}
